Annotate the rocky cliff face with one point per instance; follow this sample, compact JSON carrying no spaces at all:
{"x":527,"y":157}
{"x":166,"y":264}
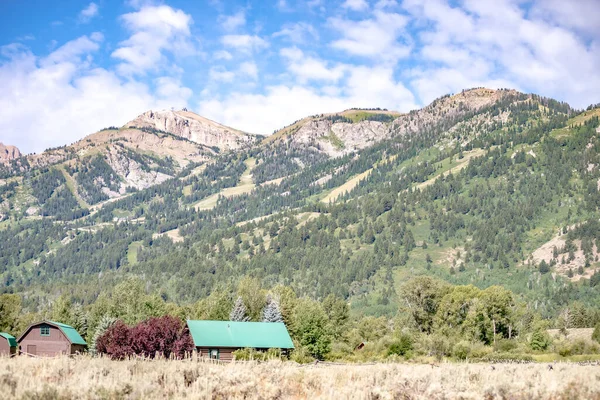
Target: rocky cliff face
{"x":8,"y":153}
{"x":193,"y":127}
{"x":339,"y":138}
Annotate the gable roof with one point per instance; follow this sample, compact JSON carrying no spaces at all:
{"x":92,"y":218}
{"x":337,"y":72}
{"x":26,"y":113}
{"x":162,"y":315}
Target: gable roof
{"x":70,"y":333}
{"x":259,"y":335}
{"x":12,"y":342}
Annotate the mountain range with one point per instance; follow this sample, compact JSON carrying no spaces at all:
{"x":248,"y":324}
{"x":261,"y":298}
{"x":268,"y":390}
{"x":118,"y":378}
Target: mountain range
{"x":482,"y":187}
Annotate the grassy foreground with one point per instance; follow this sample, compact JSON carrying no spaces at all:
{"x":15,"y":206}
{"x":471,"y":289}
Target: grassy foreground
{"x":87,"y":378}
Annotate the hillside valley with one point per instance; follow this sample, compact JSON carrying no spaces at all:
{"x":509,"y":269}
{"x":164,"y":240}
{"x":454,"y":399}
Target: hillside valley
{"x":482,"y":187}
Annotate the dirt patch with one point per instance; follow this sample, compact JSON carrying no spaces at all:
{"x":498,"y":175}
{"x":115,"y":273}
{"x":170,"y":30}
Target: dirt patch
{"x":172,"y":234}
{"x":244,"y":186}
{"x":346,"y":187}
{"x":462,"y":164}
{"x":452,"y":257}
{"x":546,"y":253}
{"x":573,"y":333}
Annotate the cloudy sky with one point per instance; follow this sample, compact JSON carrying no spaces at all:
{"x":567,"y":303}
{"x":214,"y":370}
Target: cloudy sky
{"x":259,"y":65}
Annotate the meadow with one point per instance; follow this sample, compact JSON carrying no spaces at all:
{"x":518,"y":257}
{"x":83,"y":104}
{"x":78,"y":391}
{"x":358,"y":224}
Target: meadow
{"x":98,"y":378}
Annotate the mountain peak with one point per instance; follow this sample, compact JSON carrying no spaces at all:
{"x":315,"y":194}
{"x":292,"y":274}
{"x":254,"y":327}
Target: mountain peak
{"x":193,"y":127}
{"x":8,"y":153}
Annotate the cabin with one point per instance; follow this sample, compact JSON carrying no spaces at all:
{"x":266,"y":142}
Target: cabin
{"x":8,"y":345}
{"x":219,"y":339}
{"x":49,"y":338}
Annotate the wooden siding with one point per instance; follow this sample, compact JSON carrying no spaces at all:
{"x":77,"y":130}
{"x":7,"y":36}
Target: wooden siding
{"x":5,"y":349}
{"x":225,"y":353}
{"x":52,"y":345}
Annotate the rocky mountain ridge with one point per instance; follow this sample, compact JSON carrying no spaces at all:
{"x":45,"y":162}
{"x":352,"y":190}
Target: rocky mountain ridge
{"x":8,"y":153}
{"x":193,"y":127}
{"x":351,"y":130}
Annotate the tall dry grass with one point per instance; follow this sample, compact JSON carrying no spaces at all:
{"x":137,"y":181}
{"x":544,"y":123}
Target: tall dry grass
{"x":88,"y":378}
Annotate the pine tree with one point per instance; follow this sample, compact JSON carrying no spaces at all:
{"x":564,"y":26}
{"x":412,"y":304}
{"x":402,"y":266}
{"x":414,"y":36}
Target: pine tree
{"x":238,"y":313}
{"x":105,"y":323}
{"x":271,"y":312}
{"x":79,"y":318}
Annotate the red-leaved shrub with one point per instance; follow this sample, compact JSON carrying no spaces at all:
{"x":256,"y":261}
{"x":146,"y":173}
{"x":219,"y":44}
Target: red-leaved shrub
{"x":167,"y":336}
{"x":161,"y":336}
{"x":116,"y":341}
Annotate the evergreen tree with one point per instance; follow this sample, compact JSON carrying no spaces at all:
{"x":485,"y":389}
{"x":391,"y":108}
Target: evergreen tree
{"x":238,"y":313}
{"x":271,"y":312}
{"x":105,"y":323}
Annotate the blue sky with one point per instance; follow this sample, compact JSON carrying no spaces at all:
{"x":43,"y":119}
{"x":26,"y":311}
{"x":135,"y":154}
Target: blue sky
{"x":69,"y":71}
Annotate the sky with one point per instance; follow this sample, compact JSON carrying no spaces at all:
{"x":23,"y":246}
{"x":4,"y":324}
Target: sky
{"x":68,"y":71}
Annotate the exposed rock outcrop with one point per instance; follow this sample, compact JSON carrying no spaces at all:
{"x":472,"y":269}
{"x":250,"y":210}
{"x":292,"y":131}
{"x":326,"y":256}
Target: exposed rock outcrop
{"x":8,"y":153}
{"x":131,"y":172}
{"x":193,"y":127}
{"x":340,"y":137}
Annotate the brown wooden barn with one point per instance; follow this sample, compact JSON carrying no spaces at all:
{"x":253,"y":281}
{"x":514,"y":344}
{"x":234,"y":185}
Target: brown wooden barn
{"x":49,"y":338}
{"x":219,"y":339}
{"x":8,"y":344}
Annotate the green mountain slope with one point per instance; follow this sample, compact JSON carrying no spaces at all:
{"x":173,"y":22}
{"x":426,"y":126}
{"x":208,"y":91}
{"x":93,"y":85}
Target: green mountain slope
{"x":468,"y":189}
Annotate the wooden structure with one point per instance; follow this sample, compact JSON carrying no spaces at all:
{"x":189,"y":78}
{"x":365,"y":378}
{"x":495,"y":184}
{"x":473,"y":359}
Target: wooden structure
{"x":8,"y":345}
{"x":49,"y":338}
{"x":360,"y":346}
{"x":219,"y":339}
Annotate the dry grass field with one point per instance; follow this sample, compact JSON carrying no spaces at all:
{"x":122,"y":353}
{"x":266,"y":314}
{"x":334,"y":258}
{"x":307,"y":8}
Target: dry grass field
{"x":87,"y":378}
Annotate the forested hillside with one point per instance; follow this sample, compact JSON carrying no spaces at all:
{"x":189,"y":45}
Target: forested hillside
{"x":483,"y":187}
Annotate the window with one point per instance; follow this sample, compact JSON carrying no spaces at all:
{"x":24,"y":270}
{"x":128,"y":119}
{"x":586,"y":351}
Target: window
{"x":45,"y":330}
{"x":214,"y":354}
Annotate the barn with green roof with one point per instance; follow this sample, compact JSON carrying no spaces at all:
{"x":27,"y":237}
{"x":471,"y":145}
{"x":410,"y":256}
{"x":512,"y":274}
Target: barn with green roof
{"x":219,"y":339}
{"x":8,"y":344}
{"x":49,"y":338}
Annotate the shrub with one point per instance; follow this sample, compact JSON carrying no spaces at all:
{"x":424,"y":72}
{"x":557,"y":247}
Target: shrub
{"x":500,"y":357}
{"x":505,"y":345}
{"x":480,"y":350}
{"x":540,"y":340}
{"x":596,"y":333}
{"x":166,"y":336}
{"x":402,"y":346}
{"x":564,"y":350}
{"x":461,"y":350}
{"x":116,"y":341}
{"x":301,"y":356}
{"x":248,"y":354}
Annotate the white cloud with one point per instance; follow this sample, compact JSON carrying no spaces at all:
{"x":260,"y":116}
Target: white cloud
{"x":249,"y":69}
{"x":375,"y":37}
{"x":282,"y":104}
{"x":232,"y":22}
{"x":307,"y":68}
{"x":356,"y":5}
{"x":497,"y":44}
{"x":221,"y":74}
{"x":581,"y":15}
{"x":245,"y":43}
{"x":63,"y":97}
{"x":222,"y":55}
{"x":154,"y":29}
{"x":88,"y":13}
{"x":299,"y":32}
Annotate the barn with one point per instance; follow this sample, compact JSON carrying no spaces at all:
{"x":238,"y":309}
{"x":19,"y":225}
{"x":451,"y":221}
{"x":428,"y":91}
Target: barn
{"x":8,"y":344}
{"x":49,"y":338}
{"x":219,"y":339}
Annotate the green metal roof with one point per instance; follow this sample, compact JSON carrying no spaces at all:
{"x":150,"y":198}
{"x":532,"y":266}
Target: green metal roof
{"x":259,"y":335}
{"x":70,"y":332}
{"x":12,"y":342}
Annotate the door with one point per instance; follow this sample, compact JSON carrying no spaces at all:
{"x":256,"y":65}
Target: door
{"x":32,"y":349}
{"x":214,"y":354}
